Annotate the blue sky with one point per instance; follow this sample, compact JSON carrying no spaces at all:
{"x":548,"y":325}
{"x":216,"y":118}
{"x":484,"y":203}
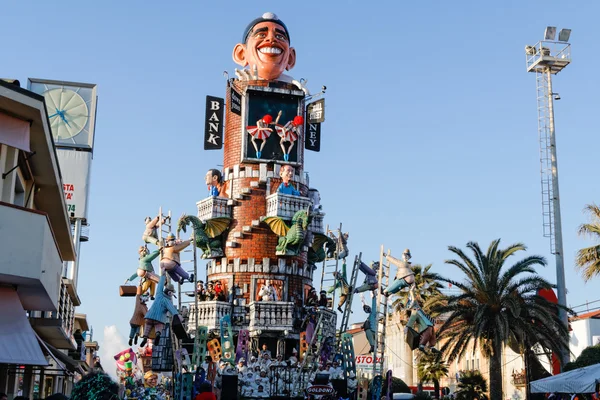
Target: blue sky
{"x":430,"y":137}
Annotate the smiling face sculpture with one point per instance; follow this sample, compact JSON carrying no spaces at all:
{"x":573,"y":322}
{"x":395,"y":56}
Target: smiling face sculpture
{"x":266,"y":48}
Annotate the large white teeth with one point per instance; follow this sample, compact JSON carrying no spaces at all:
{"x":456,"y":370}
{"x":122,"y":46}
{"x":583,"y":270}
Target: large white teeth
{"x":270,"y":50}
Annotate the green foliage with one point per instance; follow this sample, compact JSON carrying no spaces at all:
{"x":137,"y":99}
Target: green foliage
{"x":471,"y":386}
{"x":430,"y":368}
{"x":589,"y":356}
{"x":588,"y":259}
{"x":426,"y":287}
{"x":398,"y":386}
{"x":498,"y":304}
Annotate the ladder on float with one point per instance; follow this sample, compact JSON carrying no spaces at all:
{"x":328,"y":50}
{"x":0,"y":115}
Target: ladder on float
{"x":382,"y":313}
{"x":348,"y":304}
{"x":190,"y":304}
{"x":163,"y":229}
{"x":330,"y":265}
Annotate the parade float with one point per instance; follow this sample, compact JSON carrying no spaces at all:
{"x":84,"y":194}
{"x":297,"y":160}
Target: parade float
{"x":247,"y":317}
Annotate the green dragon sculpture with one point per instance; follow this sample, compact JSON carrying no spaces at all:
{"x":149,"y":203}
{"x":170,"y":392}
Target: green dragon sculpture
{"x":207,"y":233}
{"x":291,"y":237}
{"x":317,"y":252}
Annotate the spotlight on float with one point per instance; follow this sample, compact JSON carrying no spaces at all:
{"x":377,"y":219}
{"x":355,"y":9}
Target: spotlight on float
{"x":550,"y":33}
{"x":564,"y":35}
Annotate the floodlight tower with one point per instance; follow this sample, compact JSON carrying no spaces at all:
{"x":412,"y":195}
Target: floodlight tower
{"x":548,"y":57}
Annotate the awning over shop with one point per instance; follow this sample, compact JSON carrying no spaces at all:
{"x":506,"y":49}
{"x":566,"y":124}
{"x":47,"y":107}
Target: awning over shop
{"x":63,"y":360}
{"x":580,"y":380}
{"x":14,"y":132}
{"x":18,"y":341}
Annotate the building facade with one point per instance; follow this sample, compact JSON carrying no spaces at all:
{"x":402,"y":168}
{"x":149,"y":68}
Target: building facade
{"x":37,"y":302}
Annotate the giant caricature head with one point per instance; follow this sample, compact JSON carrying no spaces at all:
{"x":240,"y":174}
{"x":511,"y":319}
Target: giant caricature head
{"x":266,"y":47}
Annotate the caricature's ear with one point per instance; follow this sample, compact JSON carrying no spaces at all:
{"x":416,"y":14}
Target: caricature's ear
{"x":239,"y":55}
{"x":291,"y":59}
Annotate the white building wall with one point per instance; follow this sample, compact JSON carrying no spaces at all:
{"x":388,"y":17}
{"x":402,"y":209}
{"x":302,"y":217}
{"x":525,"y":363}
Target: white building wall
{"x":582,"y":335}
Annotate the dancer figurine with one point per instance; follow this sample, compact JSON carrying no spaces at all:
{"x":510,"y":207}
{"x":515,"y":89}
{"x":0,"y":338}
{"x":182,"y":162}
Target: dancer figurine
{"x":370,"y":282}
{"x":170,"y":261}
{"x":151,"y":233}
{"x":405,"y":277}
{"x":260,"y":131}
{"x":289,"y":133}
{"x":156,"y":317}
{"x":145,"y":270}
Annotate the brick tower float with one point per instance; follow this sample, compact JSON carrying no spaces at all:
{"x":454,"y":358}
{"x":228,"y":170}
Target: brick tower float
{"x":264,"y":143}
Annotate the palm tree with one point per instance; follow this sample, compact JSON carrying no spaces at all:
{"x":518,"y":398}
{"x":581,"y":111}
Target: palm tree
{"x":496,"y":306}
{"x":471,"y":386}
{"x":588,"y":259}
{"x":431,"y":369}
{"x":426,"y":287}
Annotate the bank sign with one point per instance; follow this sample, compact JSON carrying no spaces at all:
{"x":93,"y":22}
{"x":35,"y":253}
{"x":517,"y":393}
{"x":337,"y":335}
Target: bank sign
{"x":366,"y":361}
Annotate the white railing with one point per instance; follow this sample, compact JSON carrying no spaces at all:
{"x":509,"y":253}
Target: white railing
{"x":213,"y":207}
{"x":209,"y":314}
{"x":316,"y":224}
{"x":286,"y":205}
{"x":271,"y":315}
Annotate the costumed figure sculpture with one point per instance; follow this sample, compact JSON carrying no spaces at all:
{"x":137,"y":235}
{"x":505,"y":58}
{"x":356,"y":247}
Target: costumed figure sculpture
{"x":341,"y":282}
{"x":151,"y":233}
{"x":286,"y":173}
{"x":289,"y":133}
{"x":137,"y":320}
{"x":207,"y":233}
{"x":170,"y":260}
{"x":425,"y":326}
{"x":265,"y":49}
{"x":405,"y":277}
{"x":341,"y":244}
{"x":156,"y":317}
{"x":267,"y":292}
{"x":145,"y":271}
{"x":123,"y":356}
{"x":260,"y":131}
{"x":370,"y":324}
{"x":291,"y":237}
{"x":214,"y":182}
{"x":370,"y":282}
{"x":315,"y":197}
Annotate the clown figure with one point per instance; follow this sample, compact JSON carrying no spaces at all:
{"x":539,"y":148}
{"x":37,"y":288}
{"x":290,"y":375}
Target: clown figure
{"x":157,"y":314}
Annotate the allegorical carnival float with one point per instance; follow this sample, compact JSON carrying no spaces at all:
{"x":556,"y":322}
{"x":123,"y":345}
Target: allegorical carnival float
{"x":253,"y":325}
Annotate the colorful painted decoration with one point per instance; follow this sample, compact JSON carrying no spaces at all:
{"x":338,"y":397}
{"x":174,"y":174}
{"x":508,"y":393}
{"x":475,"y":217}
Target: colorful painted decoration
{"x":265,"y":50}
{"x":207,"y":234}
{"x":145,"y":271}
{"x":291,"y":237}
{"x":289,"y":133}
{"x":242,"y":345}
{"x":228,"y":351}
{"x":156,"y":316}
{"x":170,"y":261}
{"x":260,"y":131}
{"x":122,"y":357}
{"x":200,"y":345}
{"x":214,"y":182}
{"x":214,"y":348}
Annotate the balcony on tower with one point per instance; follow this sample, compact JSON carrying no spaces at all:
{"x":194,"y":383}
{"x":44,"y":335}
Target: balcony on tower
{"x":271,"y":316}
{"x":286,"y":205}
{"x":209,"y":314}
{"x":213,"y":207}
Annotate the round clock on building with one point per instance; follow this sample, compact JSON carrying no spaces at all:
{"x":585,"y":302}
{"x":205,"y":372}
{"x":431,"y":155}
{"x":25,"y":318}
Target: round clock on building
{"x":68,"y":113}
{"x":71,"y":109}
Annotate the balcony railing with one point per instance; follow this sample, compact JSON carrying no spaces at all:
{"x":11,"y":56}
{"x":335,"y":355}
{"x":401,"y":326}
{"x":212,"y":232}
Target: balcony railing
{"x":271,"y":315}
{"x":286,"y":205}
{"x":209,"y":314}
{"x":316,"y":224}
{"x":213,"y":207}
